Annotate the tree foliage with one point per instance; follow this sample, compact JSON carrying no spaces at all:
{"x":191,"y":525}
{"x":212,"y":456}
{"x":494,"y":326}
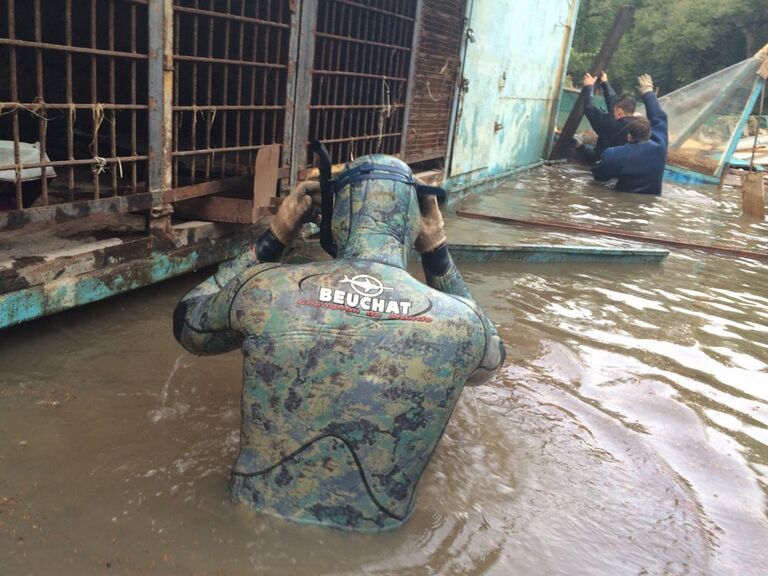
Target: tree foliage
{"x":677,"y":41}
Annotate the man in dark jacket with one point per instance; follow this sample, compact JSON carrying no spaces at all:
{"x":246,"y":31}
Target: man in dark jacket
{"x":639,"y":164}
{"x":611,"y":126}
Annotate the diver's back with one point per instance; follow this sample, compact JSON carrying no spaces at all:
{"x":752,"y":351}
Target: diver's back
{"x":375,"y":365}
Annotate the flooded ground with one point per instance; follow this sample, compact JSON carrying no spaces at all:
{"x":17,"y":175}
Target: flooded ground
{"x":627,"y":433}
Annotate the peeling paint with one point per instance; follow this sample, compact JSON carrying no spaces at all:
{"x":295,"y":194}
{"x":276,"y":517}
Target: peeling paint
{"x":513,"y":73}
{"x":55,"y":296}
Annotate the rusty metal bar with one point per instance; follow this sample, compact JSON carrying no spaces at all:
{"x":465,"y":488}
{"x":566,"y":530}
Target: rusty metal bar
{"x":209,"y":95}
{"x":239,"y":90}
{"x":76,"y":49}
{"x":42,"y":124}
{"x":303,"y":118}
{"x":291,"y":79}
{"x":160,"y":86}
{"x":15,"y":96}
{"x":350,"y":106}
{"x":267,"y":44}
{"x":359,"y":75}
{"x":112,"y":95}
{"x":252,"y":115}
{"x":374,"y":9}
{"x":82,"y":162}
{"x":225,"y":88}
{"x":230,"y":61}
{"x":97,"y":115}
{"x":361,"y":41}
{"x":230,"y":108}
{"x":211,"y":13}
{"x":176,"y":121}
{"x":72,"y":116}
{"x":193,"y":133}
{"x":35,"y":106}
{"x":134,"y":126}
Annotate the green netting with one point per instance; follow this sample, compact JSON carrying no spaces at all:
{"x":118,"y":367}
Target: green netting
{"x":707,"y":116}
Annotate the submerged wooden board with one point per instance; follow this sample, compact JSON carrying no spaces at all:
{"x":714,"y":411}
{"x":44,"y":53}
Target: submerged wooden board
{"x":547,"y":254}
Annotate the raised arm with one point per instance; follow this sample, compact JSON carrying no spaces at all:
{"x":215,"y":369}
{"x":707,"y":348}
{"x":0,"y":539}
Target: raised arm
{"x":656,"y":116}
{"x":597,"y":118}
{"x":442,"y":274}
{"x":201,"y":321}
{"x":609,"y":94}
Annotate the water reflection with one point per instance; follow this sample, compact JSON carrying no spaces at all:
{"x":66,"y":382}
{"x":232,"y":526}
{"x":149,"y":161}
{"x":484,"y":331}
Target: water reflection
{"x":627,"y":434}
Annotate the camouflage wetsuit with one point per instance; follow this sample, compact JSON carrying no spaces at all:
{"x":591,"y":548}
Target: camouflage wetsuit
{"x":352,"y":366}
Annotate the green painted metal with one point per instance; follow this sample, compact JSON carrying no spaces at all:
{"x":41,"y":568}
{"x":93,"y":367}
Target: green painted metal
{"x":685,"y":176}
{"x":737,"y":134}
{"x":549,"y":254}
{"x":42,"y":300}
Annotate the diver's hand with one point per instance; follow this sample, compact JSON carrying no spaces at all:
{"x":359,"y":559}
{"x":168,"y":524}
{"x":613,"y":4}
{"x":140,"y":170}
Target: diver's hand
{"x":603,"y":77}
{"x":432,"y":232}
{"x":297,"y":208}
{"x":588,"y":80}
{"x":644,"y":84}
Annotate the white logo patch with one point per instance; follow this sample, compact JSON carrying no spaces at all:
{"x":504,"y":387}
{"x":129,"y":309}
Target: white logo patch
{"x":364,"y":295}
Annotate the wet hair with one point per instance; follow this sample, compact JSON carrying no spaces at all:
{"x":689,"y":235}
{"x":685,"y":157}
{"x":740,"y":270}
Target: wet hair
{"x":626,"y":103}
{"x":639,"y":129}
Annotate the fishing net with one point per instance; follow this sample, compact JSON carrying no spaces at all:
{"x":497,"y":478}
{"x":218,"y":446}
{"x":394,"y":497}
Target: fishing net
{"x":709,"y":116}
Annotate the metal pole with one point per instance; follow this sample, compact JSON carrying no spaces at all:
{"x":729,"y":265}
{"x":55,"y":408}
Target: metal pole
{"x":757,"y":128}
{"x":303,"y":97}
{"x":160,"y":109}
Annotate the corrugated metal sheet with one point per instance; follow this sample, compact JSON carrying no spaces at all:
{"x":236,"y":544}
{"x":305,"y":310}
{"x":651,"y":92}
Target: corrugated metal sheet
{"x":513,"y":72}
{"x":437,"y":69}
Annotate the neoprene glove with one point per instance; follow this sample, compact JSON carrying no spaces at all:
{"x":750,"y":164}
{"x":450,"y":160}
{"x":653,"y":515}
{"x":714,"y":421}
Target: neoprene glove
{"x":432,"y":232}
{"x":644,"y":84}
{"x":296,"y":209}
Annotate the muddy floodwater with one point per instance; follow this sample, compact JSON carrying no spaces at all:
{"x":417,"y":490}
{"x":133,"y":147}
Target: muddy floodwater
{"x":626,"y":434}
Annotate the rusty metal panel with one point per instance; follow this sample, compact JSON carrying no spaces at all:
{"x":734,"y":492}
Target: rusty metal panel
{"x":73,"y":79}
{"x":362,"y":57}
{"x":231,"y":64}
{"x":509,"y":89}
{"x":437,"y":69}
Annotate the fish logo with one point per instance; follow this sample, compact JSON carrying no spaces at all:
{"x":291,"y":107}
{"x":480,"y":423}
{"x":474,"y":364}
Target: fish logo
{"x":365,"y":285}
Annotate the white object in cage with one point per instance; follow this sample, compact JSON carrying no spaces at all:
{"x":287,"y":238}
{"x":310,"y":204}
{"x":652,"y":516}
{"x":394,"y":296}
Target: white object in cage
{"x":28,"y":154}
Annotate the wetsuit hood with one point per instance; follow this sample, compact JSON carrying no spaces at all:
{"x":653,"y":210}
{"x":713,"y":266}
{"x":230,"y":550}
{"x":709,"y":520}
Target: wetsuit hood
{"x":376,"y":212}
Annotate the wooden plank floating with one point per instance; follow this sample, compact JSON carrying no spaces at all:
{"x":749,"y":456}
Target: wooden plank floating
{"x":713,"y":248}
{"x":550,"y":254}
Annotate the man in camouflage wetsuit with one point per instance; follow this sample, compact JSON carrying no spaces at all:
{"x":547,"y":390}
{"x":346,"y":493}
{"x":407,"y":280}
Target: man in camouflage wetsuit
{"x":352,"y":366}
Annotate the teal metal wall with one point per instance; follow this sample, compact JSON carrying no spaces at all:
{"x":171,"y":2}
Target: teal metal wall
{"x":515,"y":58}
